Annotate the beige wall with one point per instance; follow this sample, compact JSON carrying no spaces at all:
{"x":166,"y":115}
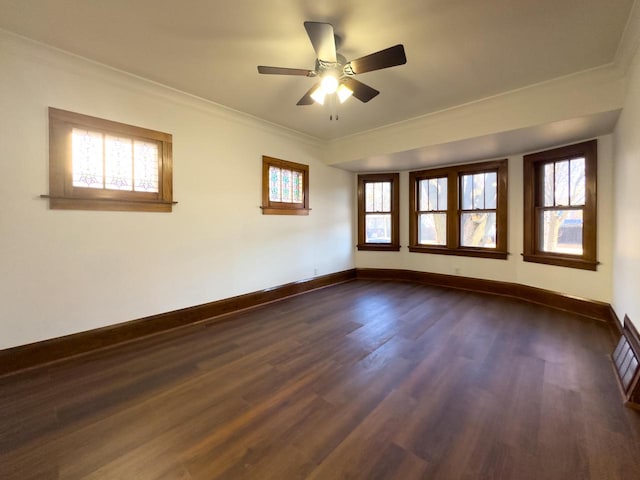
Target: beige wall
{"x":69,"y":271}
{"x":586,"y":284}
{"x":626,"y":260}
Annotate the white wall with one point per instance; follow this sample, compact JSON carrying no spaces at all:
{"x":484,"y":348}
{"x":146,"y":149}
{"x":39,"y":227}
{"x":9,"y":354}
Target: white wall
{"x":587,"y":284}
{"x":626,"y":260}
{"x":69,"y":271}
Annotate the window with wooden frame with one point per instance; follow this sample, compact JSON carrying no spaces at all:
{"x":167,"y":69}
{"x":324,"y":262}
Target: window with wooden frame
{"x":460,"y":210}
{"x":378,"y":212}
{"x":560,"y":206}
{"x":97,"y":164}
{"x":285,"y":187}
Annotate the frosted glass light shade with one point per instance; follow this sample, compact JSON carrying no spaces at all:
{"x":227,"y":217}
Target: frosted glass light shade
{"x":318,"y":95}
{"x":344,"y":93}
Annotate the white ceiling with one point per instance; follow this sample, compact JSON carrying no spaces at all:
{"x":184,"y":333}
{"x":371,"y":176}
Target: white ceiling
{"x":458,"y":51}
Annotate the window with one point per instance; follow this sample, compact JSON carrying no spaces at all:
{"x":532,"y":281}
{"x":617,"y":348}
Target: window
{"x":560,"y":206}
{"x":97,"y":164}
{"x":460,"y":210}
{"x":285,"y":187}
{"x":378,"y":212}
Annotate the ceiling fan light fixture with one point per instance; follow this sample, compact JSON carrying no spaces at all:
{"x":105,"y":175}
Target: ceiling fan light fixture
{"x":329,"y":84}
{"x":344,"y":93}
{"x":319,"y":95}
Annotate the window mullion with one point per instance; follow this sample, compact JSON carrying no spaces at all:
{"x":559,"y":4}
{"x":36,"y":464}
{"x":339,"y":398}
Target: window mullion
{"x":104,"y":160}
{"x":453,"y":215}
{"x":133,"y":165}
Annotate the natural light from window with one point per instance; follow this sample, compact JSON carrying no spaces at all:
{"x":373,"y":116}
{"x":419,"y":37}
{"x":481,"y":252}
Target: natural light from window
{"x":108,"y":162}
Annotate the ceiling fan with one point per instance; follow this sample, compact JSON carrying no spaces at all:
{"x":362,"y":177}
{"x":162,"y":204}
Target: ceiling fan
{"x":335,"y":72}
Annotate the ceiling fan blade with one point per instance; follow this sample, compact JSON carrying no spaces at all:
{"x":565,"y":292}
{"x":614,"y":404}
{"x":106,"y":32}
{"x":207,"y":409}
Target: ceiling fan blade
{"x":322,"y":39}
{"x":306,"y":98}
{"x":362,"y":92}
{"x":389,"y":57}
{"x":285,"y":71}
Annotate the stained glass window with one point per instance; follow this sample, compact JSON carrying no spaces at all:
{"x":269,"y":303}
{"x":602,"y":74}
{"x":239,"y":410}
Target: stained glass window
{"x":285,"y":187}
{"x":297,"y":187}
{"x":98,"y":164}
{"x":118,"y":163}
{"x":87,"y":159}
{"x":113,"y":163}
{"x":145,"y":166}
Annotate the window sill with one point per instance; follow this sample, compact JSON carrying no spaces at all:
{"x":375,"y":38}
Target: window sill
{"x":561,"y":261}
{"x":108,"y":204}
{"x":462,"y":252}
{"x":285,"y":211}
{"x":383,"y":247}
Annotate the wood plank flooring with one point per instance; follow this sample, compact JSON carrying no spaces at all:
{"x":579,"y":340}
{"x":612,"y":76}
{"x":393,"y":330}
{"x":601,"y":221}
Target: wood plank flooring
{"x":365,"y":380}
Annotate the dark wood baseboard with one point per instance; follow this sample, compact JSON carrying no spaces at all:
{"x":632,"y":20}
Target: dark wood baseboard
{"x":24,"y":357}
{"x":588,"y":308}
{"x":47,"y":351}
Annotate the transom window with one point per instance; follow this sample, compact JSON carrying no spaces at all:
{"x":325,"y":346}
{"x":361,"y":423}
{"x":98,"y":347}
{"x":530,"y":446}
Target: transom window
{"x":460,"y":210}
{"x":98,"y":164}
{"x":285,"y":187}
{"x":560,"y":206}
{"x":378,"y":214}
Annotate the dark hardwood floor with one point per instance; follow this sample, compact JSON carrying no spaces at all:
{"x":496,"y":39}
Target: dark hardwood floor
{"x":365,"y":380}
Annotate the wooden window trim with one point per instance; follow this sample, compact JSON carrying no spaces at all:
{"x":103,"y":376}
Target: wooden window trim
{"x":394,"y":179}
{"x":284,"y":208}
{"x":453,"y":174}
{"x":532,"y":189}
{"x":63,"y":195}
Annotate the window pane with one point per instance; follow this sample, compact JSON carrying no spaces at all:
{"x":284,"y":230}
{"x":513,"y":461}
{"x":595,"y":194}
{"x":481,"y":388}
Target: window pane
{"x":562,"y":183}
{"x":442,"y":193}
{"x":377,"y":197}
{"x":433,"y":194}
{"x":478,"y":230}
{"x":275,"y":193}
{"x":478,"y":190}
{"x":368,"y":197}
{"x":378,"y":228}
{"x":118,"y":163}
{"x":297,"y":187}
{"x":577,"y":181}
{"x":87,"y":159}
{"x":145,"y":166}
{"x":386,"y":196}
{"x":467,"y":192}
{"x":549,"y":179}
{"x":423,"y":196}
{"x":432,"y":229}
{"x":491,"y":190}
{"x":286,"y":185}
{"x":562,"y":231}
